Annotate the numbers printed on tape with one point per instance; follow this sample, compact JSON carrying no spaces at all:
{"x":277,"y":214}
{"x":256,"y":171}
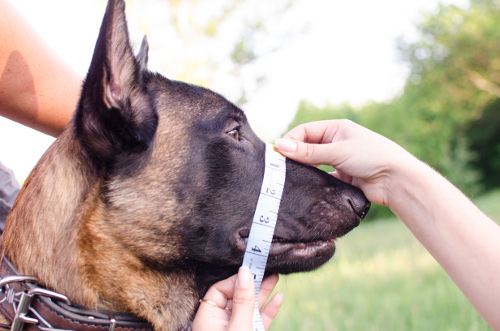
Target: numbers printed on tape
{"x":264,"y":222}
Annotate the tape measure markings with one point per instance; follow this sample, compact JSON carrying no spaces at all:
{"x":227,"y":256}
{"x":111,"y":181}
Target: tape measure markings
{"x":264,"y":221}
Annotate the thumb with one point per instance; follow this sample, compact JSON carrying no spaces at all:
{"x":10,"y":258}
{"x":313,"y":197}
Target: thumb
{"x":307,"y":153}
{"x":243,"y":301}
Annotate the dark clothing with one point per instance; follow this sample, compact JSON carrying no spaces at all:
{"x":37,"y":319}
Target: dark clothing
{"x":9,"y":188}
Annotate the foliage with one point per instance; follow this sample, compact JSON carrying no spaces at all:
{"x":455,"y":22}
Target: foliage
{"x":380,"y":278}
{"x":484,"y":134}
{"x":307,"y":112}
{"x":455,"y":77}
{"x":215,"y":34}
{"x":449,"y":112}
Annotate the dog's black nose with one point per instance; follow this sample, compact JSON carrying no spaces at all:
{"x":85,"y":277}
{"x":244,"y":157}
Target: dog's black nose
{"x":359,"y":203}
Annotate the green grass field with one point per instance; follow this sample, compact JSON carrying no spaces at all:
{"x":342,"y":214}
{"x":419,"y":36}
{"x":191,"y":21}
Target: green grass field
{"x":381,"y":278}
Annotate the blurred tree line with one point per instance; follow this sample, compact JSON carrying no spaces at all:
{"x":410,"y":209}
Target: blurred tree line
{"x":449,"y":112}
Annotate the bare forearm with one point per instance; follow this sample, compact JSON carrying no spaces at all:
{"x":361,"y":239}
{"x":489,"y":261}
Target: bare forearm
{"x":37,"y":88}
{"x":460,"y":237}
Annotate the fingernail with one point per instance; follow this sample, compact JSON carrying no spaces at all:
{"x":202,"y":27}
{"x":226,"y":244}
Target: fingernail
{"x":286,"y":145}
{"x":243,"y":277}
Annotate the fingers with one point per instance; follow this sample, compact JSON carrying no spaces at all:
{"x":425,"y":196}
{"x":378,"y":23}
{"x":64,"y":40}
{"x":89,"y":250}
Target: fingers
{"x":316,"y":132}
{"x":243,"y":301}
{"x":310,"y":153}
{"x":243,"y":304}
{"x":212,"y":313}
{"x":341,"y":176}
{"x":210,"y":317}
{"x":311,"y":143}
{"x":221,"y":291}
{"x":230,"y":304}
{"x":272,"y":308}
{"x":266,"y":288}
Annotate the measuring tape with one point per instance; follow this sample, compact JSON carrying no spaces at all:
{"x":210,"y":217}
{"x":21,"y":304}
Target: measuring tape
{"x":264,"y":221}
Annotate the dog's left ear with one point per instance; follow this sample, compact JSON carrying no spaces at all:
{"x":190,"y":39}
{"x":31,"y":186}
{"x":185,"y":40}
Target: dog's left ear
{"x":116,"y":114}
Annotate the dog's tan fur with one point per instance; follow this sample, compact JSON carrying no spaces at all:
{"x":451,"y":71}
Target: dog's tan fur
{"x":70,"y":245}
{"x":143,"y":216}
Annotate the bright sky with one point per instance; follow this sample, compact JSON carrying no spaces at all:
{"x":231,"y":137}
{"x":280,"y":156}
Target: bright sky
{"x":347,"y":55}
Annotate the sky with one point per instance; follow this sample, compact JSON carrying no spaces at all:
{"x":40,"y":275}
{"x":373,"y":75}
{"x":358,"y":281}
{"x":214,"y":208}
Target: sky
{"x":347,"y":54}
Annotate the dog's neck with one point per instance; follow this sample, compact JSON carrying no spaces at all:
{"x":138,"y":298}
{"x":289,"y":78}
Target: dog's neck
{"x":41,"y":234}
{"x":58,"y":235}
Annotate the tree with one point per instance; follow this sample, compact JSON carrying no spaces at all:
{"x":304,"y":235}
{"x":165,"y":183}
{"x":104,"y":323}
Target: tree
{"x":449,"y":112}
{"x":308,"y":112}
{"x":484,"y":135}
{"x":212,"y":42}
{"x":455,"y":78}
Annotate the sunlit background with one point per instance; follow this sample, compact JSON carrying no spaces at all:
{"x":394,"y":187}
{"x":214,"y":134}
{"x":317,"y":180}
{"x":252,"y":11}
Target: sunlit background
{"x":323,"y":51}
{"x":423,"y":74}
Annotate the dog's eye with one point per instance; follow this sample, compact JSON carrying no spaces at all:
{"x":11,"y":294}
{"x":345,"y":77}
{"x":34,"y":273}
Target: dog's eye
{"x":235,"y":134}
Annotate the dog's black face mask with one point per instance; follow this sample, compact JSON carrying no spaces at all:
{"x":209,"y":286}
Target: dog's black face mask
{"x":183,"y":170}
{"x":226,"y":170}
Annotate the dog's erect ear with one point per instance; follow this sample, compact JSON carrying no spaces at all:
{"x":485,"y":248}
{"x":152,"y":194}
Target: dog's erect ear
{"x":142,"y":56}
{"x":115,"y":113}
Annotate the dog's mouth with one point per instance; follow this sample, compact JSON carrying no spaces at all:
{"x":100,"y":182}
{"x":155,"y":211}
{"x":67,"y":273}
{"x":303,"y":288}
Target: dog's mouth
{"x":291,"y":249}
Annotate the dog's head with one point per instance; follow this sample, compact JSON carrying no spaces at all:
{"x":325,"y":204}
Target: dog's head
{"x":154,"y":185}
{"x":182,"y":162}
{"x":184,"y":169}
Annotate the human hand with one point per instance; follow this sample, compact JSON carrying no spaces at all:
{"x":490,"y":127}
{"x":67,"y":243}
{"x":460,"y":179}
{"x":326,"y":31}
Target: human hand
{"x":361,"y":157}
{"x":229,"y":304}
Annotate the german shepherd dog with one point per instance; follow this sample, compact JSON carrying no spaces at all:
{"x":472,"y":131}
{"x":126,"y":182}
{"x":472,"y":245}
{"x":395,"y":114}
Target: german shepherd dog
{"x":147,"y":197}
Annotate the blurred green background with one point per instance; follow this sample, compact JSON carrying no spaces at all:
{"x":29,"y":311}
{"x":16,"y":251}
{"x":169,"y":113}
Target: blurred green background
{"x":448,"y":115}
{"x":380,"y":278}
{"x":449,"y":111}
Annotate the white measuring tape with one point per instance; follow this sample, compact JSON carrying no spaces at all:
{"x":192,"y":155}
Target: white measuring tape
{"x":264,"y":221}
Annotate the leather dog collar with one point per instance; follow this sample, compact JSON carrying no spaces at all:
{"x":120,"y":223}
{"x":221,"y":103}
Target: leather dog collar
{"x":30,"y":307}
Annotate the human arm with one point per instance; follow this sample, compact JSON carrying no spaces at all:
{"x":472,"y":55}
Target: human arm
{"x":37,"y":88}
{"x":230,"y":304}
{"x":461,"y":238}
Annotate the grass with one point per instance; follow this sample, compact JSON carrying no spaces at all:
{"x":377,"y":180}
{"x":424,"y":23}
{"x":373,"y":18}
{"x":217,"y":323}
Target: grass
{"x":381,"y":278}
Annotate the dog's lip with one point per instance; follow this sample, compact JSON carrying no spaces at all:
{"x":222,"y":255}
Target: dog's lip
{"x":280,"y":246}
{"x":302,"y":249}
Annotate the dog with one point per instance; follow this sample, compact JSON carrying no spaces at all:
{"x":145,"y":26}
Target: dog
{"x":147,"y":197}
